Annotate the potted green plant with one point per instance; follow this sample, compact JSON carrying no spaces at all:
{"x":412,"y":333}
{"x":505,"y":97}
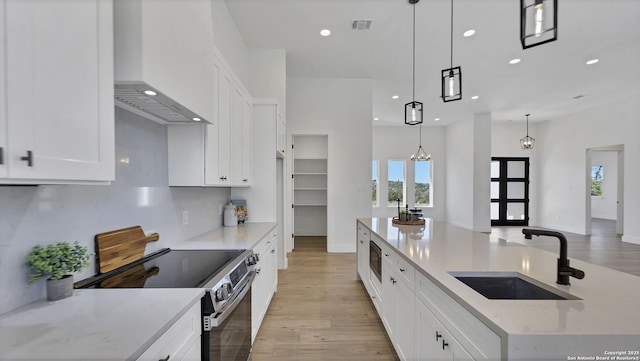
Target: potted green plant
{"x":57,"y":261}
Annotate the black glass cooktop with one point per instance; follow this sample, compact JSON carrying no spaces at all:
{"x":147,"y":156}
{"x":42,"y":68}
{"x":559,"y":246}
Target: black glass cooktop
{"x":166,"y":269}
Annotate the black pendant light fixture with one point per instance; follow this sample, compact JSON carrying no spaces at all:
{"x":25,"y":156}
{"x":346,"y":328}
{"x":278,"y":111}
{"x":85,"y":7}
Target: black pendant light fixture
{"x":452,"y":77}
{"x":420,"y":154}
{"x":538,"y":22}
{"x":413,"y":109}
{"x":527,"y":142}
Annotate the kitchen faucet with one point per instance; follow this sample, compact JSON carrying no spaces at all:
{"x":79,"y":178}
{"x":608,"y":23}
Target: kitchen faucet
{"x":564,"y":271}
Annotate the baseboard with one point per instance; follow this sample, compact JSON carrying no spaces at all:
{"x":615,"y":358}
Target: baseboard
{"x":631,"y":239}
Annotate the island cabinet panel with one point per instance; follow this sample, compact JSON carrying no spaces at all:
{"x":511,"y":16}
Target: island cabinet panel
{"x":423,"y":323}
{"x":480,"y":341}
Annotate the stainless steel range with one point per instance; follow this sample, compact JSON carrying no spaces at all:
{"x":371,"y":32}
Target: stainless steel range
{"x":226,"y":306}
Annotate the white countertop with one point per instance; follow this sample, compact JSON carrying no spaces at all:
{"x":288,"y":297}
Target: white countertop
{"x":93,"y":324}
{"x":243,"y":236}
{"x":609,"y":302}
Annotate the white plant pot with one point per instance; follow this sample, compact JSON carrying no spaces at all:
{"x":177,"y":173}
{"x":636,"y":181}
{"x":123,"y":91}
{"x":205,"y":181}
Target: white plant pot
{"x":59,"y":289}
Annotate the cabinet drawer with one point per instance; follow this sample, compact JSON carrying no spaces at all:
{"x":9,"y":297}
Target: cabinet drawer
{"x":480,"y":341}
{"x":363,"y":232}
{"x":405,"y":272}
{"x":178,"y":339}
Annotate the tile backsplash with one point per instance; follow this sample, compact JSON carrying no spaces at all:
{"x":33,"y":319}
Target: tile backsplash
{"x":140,"y":195}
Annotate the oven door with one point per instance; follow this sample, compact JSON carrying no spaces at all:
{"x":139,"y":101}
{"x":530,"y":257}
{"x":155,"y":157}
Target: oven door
{"x":375,"y":259}
{"x":229,"y":337}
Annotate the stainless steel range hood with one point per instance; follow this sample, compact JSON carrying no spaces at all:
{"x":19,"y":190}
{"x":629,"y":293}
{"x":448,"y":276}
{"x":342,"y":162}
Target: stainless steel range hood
{"x":146,"y":101}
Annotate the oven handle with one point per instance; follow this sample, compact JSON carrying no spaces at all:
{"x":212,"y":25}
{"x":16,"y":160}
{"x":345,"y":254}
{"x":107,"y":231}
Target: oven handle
{"x":219,"y":317}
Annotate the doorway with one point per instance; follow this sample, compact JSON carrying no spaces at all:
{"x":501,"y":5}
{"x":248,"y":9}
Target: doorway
{"x":604,"y":196}
{"x":509,"y":191}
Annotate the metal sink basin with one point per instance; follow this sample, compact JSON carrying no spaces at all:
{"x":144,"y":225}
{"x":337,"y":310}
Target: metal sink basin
{"x":510,"y":286}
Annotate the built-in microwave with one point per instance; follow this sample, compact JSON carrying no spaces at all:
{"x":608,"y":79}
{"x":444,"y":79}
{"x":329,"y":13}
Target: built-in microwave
{"x":375,"y":260}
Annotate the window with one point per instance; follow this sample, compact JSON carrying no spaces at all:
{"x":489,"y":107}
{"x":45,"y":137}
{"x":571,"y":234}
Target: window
{"x":423,"y":184}
{"x":596,"y":180}
{"x":374,"y":183}
{"x":396,"y":183}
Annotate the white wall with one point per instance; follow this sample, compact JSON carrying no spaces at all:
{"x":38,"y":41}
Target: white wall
{"x":140,"y":195}
{"x":468,"y":157}
{"x":562,"y":149}
{"x":399,"y":142}
{"x":342,"y":109}
{"x":229,"y":41}
{"x":605,"y":207}
{"x":268,"y":75}
{"x":505,"y":142}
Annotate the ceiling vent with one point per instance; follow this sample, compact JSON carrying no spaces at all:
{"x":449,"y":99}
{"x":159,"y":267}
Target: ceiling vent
{"x":362,"y":24}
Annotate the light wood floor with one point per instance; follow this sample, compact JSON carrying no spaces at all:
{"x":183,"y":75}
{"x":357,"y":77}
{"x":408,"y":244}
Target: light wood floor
{"x":603,"y":247}
{"x":321,"y":312}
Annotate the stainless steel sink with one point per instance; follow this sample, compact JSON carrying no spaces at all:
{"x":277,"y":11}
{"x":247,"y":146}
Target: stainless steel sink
{"x":510,"y":286}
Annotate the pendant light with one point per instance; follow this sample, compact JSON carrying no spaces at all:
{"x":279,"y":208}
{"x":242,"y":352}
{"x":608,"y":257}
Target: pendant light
{"x":527,"y":142}
{"x":420,"y":155}
{"x":452,"y":77}
{"x":413,"y":109}
{"x":538,"y":22}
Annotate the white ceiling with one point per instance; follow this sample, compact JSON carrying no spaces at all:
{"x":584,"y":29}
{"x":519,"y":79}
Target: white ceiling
{"x":543,"y":83}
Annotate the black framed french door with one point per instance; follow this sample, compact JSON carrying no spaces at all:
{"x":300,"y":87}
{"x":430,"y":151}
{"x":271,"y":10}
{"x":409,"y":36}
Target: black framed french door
{"x":509,"y":191}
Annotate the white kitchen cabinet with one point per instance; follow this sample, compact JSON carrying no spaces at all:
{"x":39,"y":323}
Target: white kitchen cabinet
{"x":219,"y":154}
{"x":266,"y":281}
{"x":281,"y":134}
{"x":397,"y":306}
{"x":432,"y":339}
{"x":180,"y":342}
{"x":364,"y":237}
{"x":57,"y":96}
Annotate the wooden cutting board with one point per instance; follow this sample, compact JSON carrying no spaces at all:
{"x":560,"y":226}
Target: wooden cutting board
{"x":120,"y":247}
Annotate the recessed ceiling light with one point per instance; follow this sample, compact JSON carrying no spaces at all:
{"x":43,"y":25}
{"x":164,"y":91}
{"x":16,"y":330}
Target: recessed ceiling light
{"x":474,"y":97}
{"x":437,"y":119}
{"x":325,"y":32}
{"x":376,"y":118}
{"x":514,"y":61}
{"x":196,"y":119}
{"x":395,"y":96}
{"x":592,"y":61}
{"x":150,"y":92}
{"x":469,"y":33}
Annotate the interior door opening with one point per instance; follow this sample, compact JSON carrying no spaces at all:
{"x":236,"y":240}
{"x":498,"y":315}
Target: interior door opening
{"x":604,"y":206}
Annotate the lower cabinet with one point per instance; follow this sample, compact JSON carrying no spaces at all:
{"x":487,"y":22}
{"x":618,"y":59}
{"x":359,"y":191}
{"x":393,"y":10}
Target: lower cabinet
{"x":181,"y":342}
{"x":266,"y":281}
{"x":363,"y":254}
{"x":432,"y":340}
{"x":422,"y":321}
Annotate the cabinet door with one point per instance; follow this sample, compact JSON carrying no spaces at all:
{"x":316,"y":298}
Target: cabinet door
{"x":281,"y":133}
{"x":404,"y":322}
{"x":246,"y":142}
{"x":236,"y":135}
{"x":225,"y":104}
{"x":59,"y":63}
{"x":3,"y":119}
{"x":389,"y":290}
{"x":428,"y":335}
{"x":259,"y":288}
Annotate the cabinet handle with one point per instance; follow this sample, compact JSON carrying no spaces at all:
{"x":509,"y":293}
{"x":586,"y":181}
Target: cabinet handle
{"x":28,"y":158}
{"x":165,"y":359}
{"x":386,"y":255}
{"x":273,"y":251}
{"x":258,"y":270}
{"x":361,"y":241}
{"x":401,"y":269}
{"x":438,"y":335}
{"x":444,"y":344}
{"x":245,"y":180}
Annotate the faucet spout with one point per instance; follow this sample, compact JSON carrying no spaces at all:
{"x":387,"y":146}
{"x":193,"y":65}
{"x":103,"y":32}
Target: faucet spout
{"x":564,"y":270}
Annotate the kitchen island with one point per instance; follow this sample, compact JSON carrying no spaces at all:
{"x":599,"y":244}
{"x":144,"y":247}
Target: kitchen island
{"x":602,"y":320}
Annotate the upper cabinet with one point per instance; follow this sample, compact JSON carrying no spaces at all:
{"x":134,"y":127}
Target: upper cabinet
{"x":219,"y":154}
{"x":164,"y":60}
{"x":56,"y":65}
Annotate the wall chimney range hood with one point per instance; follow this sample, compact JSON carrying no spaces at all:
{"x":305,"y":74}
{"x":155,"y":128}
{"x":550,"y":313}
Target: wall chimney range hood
{"x":146,"y":101}
{"x":162,"y":72}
